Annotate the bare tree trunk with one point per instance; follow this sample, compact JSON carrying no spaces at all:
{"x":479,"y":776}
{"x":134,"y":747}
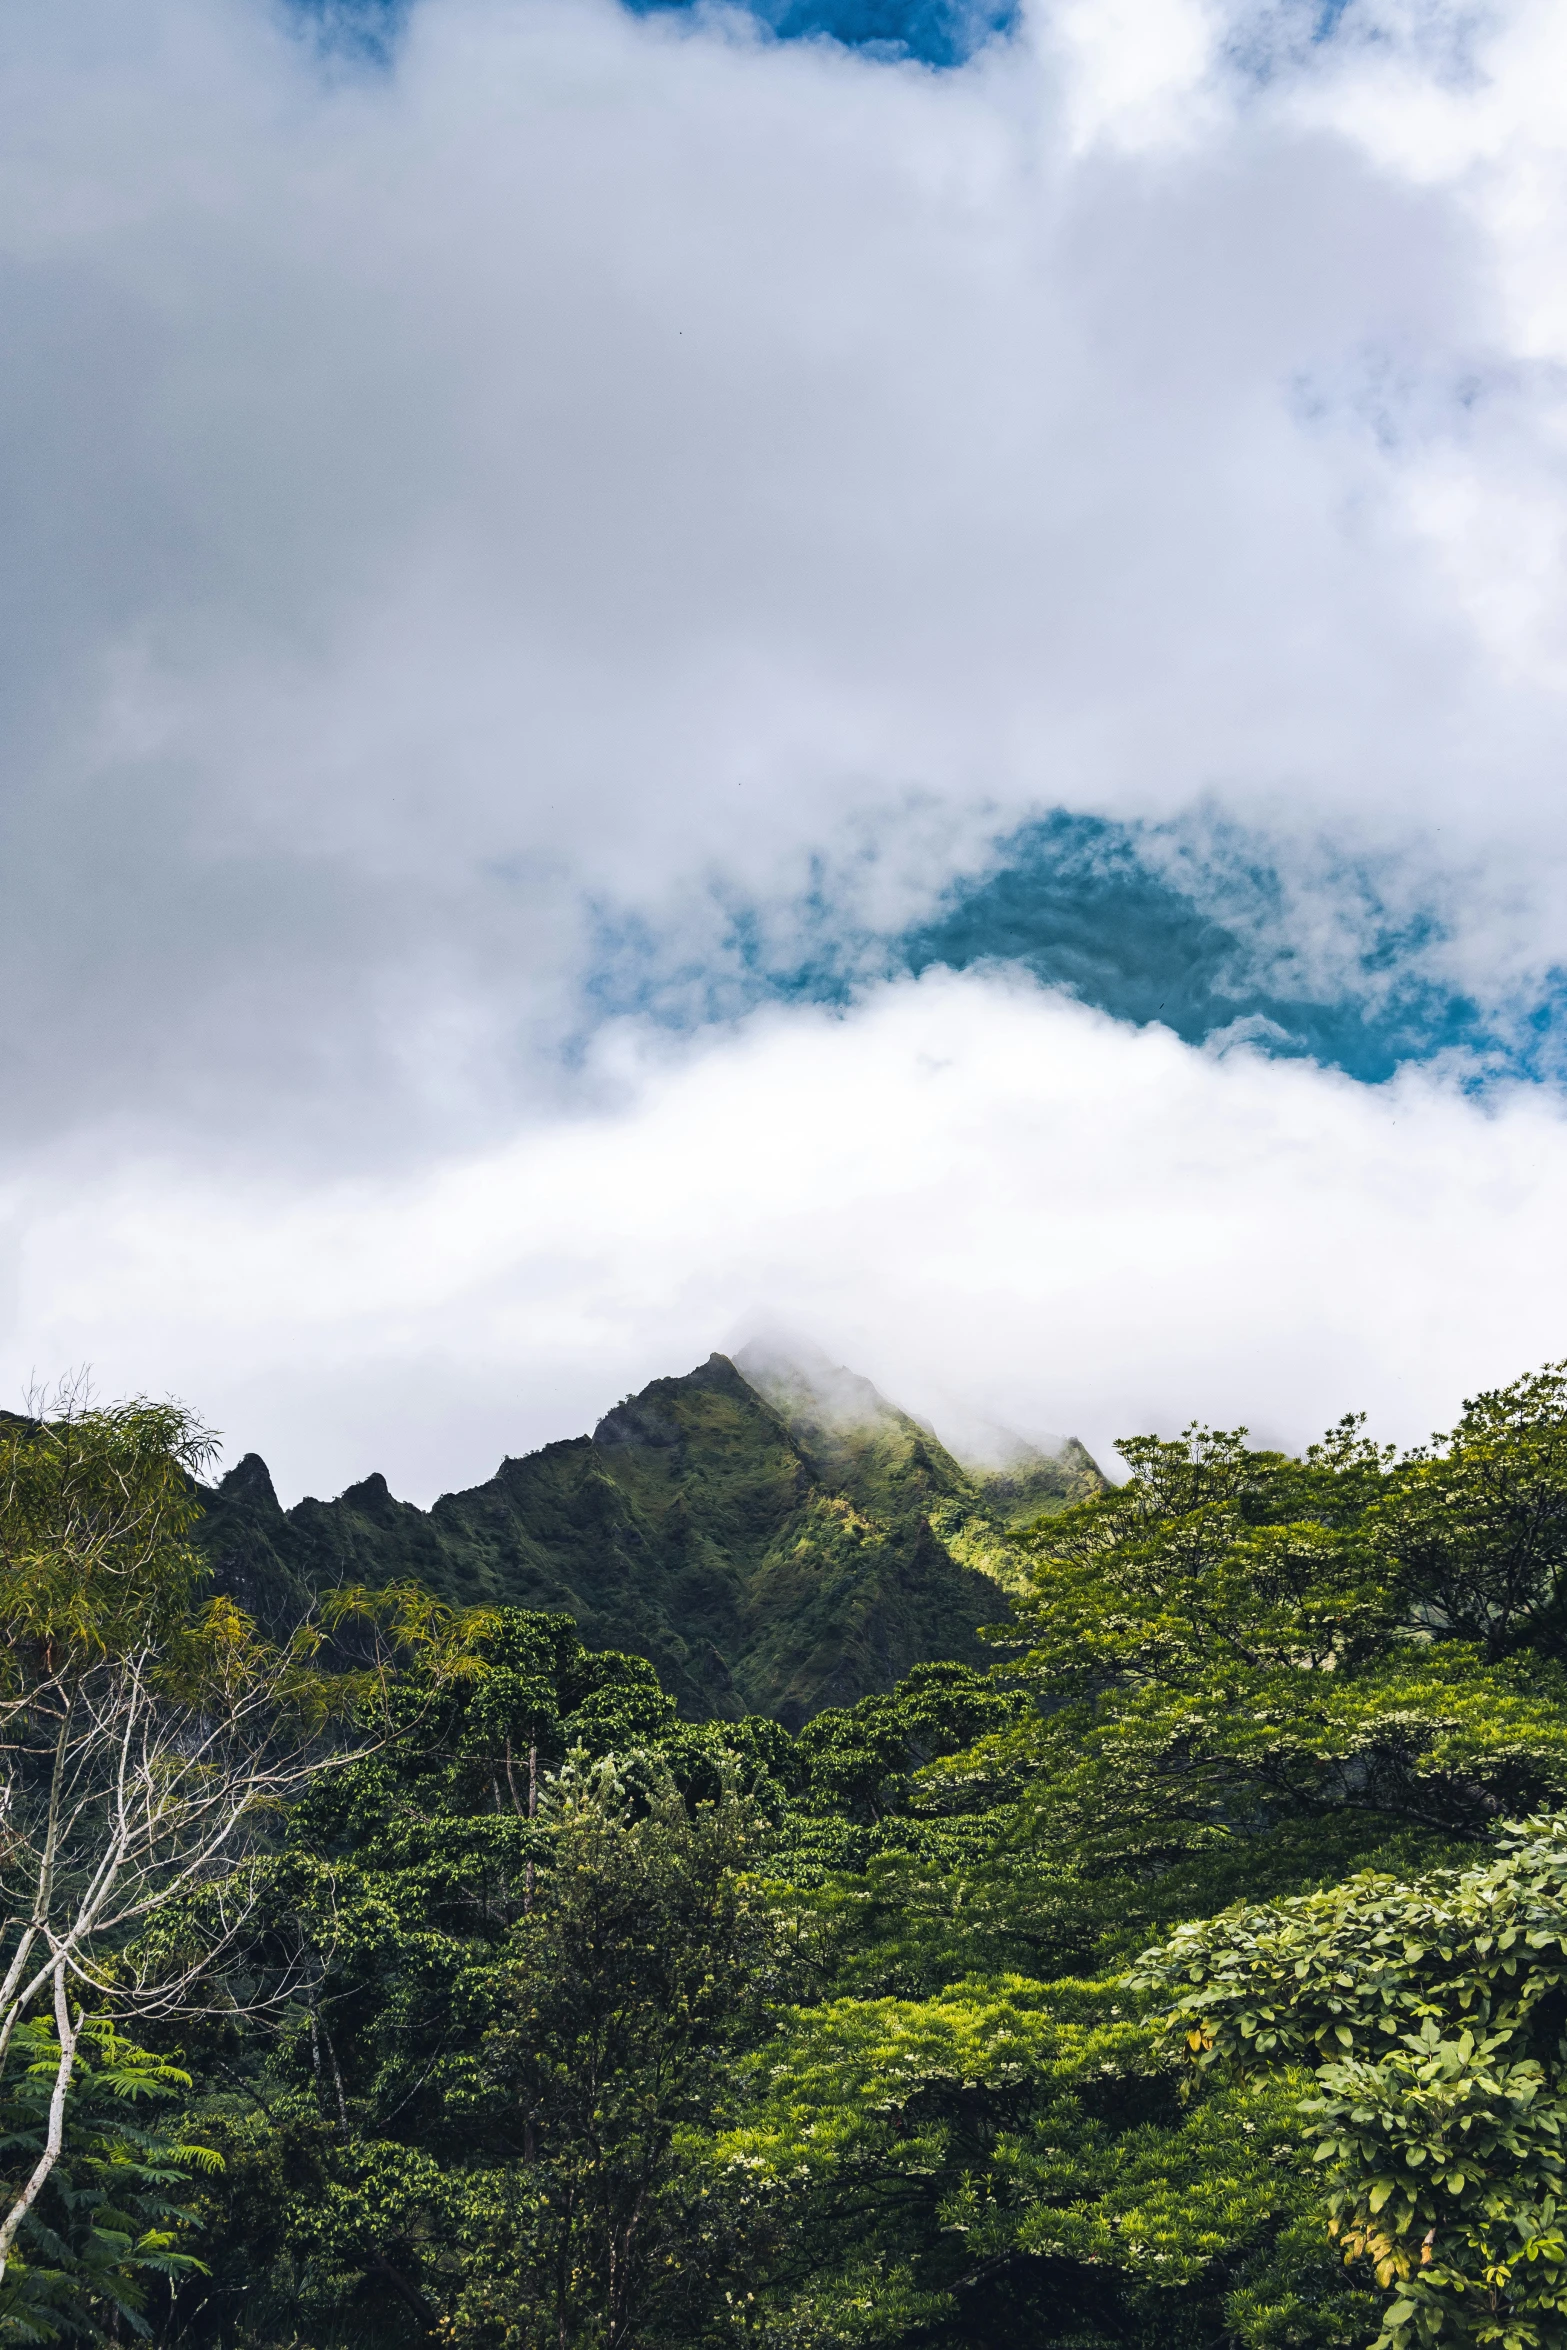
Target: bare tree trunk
{"x":533,"y":1805}
{"x":54,"y":2138}
{"x":337,"y":2077}
{"x":127,"y":1787}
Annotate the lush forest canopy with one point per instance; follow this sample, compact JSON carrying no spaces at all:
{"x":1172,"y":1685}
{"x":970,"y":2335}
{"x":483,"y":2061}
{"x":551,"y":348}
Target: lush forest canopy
{"x":1192,"y":1972}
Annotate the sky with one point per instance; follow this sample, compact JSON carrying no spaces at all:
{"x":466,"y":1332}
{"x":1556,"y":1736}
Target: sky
{"x":875,"y":666}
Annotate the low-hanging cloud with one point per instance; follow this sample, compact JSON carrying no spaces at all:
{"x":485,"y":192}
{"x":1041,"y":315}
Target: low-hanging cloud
{"x":595,"y":458}
{"x":600,"y":478}
{"x":999,"y":1204}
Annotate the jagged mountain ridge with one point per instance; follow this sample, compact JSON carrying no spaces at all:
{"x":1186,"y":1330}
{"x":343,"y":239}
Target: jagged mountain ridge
{"x":849,"y":1427}
{"x":767,"y":1553}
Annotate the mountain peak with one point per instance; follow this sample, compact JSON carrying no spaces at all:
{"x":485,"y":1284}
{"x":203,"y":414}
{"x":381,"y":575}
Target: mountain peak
{"x":650,"y":1417}
{"x":887,"y":1461}
{"x":881,"y":1453}
{"x":801,"y":1382}
{"x":250,"y":1481}
{"x":703,"y":1525}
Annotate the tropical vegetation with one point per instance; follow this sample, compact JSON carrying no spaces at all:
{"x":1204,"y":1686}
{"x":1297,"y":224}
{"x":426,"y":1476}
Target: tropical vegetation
{"x":1187,"y":1966}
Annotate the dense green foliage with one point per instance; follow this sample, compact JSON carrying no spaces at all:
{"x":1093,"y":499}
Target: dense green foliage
{"x":1194,"y":1972}
{"x":115,"y":2217}
{"x":151,"y":1741}
{"x":1433,"y":2014}
{"x":762,"y":1555}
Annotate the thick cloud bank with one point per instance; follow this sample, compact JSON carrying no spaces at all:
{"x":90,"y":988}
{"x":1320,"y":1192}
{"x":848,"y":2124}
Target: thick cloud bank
{"x":609,"y":514}
{"x":601,"y":470}
{"x":995,"y":1202}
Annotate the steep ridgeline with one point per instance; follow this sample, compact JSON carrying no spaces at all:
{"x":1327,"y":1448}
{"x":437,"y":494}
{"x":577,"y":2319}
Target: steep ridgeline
{"x":766,"y":1551}
{"x":876,"y":1451}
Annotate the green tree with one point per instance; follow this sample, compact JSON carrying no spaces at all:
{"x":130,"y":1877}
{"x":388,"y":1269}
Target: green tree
{"x":1223,"y":1649}
{"x":964,"y":2163}
{"x":1475,"y":1524}
{"x":148,"y":1738}
{"x":393,"y":2163}
{"x":620,"y":2008}
{"x":114,"y":2216}
{"x":1432,"y":2014}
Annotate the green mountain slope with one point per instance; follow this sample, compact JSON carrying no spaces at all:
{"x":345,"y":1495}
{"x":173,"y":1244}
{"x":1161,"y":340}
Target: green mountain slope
{"x":888,"y":1461}
{"x":1035,"y":1484}
{"x":764,"y":1559}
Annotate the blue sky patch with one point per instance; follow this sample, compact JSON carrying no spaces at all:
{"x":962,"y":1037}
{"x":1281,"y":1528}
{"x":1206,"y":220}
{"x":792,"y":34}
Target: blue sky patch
{"x":937,"y":33}
{"x":1107,"y":913}
{"x":1081,"y":904}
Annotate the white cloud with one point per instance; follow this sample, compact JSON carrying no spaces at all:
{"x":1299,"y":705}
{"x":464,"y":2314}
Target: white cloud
{"x":603,"y":458}
{"x":994,"y":1202}
{"x":601,"y":455}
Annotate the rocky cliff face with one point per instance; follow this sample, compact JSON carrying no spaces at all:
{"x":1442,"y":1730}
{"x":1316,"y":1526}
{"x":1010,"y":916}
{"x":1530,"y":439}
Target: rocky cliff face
{"x":765,"y":1550}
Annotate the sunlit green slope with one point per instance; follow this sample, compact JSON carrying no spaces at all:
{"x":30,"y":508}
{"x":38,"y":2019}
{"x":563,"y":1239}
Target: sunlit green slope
{"x":769,"y":1546}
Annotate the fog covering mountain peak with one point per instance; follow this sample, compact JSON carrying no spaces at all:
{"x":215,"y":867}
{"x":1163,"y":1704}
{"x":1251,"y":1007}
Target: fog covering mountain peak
{"x":773,"y":1538}
{"x":800,"y":1381}
{"x":830,"y":1405}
